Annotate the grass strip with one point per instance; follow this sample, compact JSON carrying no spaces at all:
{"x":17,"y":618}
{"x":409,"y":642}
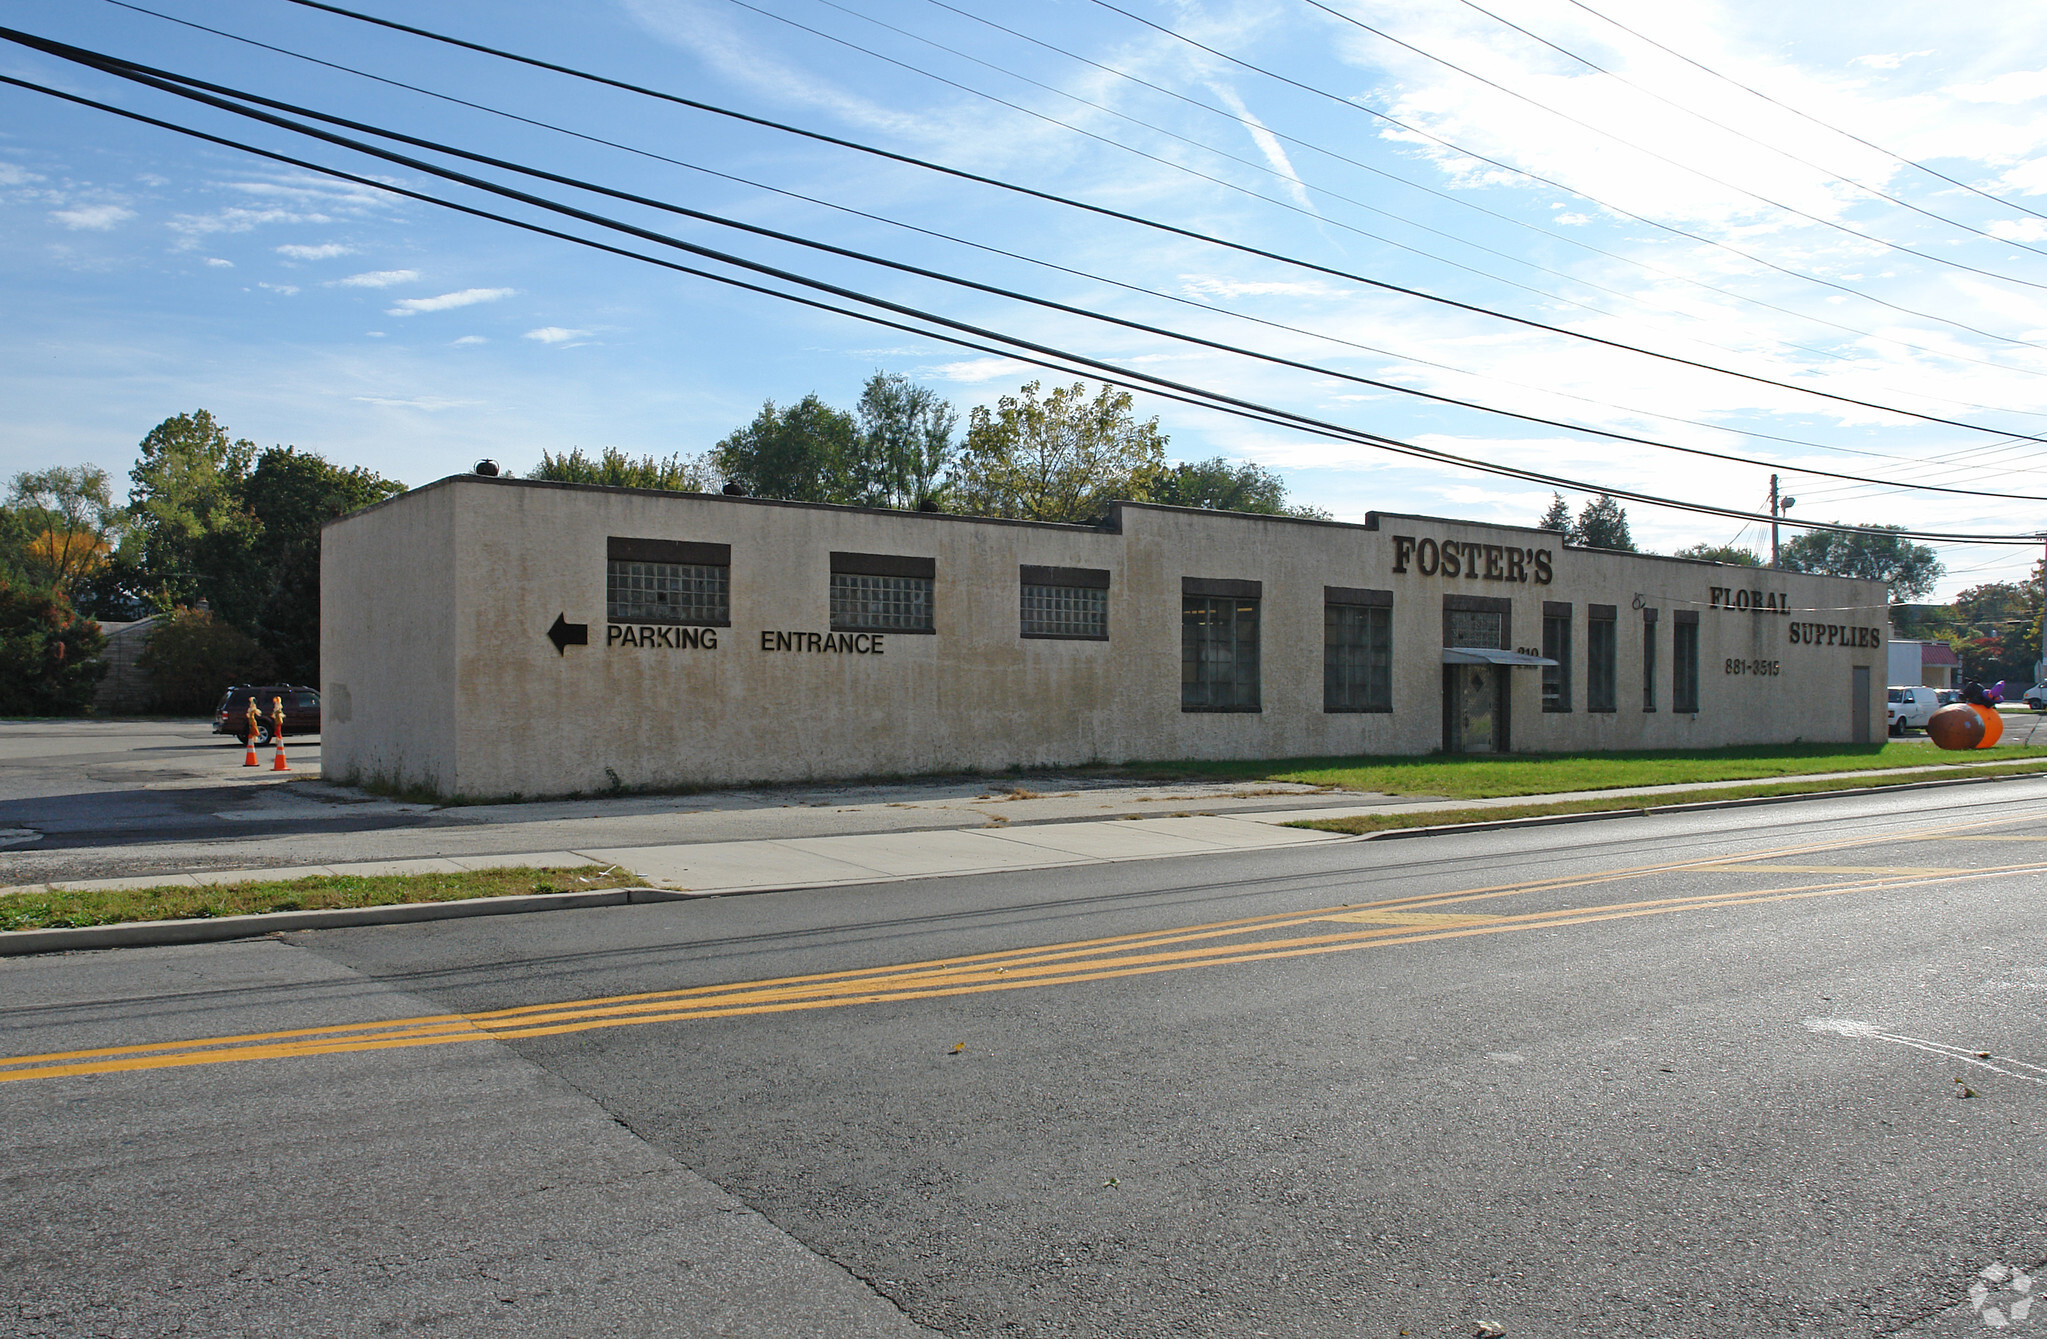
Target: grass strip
{"x":1488,"y":777}
{"x":58,"y":909}
{"x":1429,"y":818}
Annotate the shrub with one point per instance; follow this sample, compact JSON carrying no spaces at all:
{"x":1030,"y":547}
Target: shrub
{"x":192,"y":658}
{"x":49,"y":656}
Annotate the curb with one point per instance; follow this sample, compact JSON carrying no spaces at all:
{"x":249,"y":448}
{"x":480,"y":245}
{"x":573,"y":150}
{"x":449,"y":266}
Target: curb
{"x":1696,"y":806}
{"x":145,"y":934}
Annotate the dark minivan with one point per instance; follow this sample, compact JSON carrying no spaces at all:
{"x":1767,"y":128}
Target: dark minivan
{"x":301,"y":711}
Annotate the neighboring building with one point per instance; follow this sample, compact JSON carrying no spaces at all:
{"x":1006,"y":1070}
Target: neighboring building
{"x":1924,"y":664}
{"x":126,"y":690}
{"x":486,"y":637}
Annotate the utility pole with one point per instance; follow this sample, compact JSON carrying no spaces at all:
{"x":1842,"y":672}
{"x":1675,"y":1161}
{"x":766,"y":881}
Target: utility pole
{"x":1778,"y":506}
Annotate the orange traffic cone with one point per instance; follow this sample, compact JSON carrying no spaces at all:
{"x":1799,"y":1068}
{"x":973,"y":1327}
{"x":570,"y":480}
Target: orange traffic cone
{"x":250,"y":759}
{"x":278,"y":764}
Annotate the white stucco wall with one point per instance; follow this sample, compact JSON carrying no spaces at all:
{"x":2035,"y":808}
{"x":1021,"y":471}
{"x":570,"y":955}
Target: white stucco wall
{"x":437,"y":606}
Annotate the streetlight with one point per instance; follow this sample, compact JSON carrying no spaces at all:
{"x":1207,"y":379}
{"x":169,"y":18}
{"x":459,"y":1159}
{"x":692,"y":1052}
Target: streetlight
{"x":1778,"y":506}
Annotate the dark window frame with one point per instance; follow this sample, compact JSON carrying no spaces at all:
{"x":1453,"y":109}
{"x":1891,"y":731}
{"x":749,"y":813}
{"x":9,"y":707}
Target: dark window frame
{"x":1032,"y":577}
{"x":918,"y":574}
{"x":1648,"y":661}
{"x":1372,"y":612}
{"x":1556,"y":645}
{"x":1602,"y":658}
{"x":1684,"y":662}
{"x":1202,"y":601}
{"x":681,"y":555}
{"x":1479,"y":604}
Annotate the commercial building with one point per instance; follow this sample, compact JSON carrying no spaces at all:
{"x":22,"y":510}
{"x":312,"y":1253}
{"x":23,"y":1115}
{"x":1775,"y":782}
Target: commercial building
{"x":492,"y":637}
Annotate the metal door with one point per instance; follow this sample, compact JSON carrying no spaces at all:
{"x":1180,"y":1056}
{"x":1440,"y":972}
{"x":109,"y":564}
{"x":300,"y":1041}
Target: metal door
{"x":1858,"y":705}
{"x":1476,"y":714}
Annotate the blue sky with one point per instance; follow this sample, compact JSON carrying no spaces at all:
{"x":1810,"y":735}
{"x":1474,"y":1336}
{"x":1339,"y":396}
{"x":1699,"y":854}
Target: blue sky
{"x":147,"y":274}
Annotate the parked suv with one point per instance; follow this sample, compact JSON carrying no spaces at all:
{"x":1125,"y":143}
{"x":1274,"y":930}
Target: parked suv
{"x":301,"y":711}
{"x":1911,"y":707}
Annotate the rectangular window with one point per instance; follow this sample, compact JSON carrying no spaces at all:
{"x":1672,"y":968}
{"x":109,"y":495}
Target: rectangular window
{"x":1556,"y":645}
{"x":1063,"y":603}
{"x":1357,"y":649}
{"x":879,"y":592}
{"x":1219,"y":645}
{"x":1684,"y":661}
{"x":667,"y":581}
{"x":1648,"y":660}
{"x":1602,"y":658}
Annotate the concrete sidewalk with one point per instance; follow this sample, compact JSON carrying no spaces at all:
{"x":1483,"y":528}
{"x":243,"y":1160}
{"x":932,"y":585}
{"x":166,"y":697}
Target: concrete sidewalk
{"x":709,"y":868}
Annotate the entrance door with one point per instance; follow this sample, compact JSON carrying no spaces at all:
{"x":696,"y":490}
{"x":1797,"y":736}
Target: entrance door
{"x":1858,"y":705}
{"x":1474,"y":709}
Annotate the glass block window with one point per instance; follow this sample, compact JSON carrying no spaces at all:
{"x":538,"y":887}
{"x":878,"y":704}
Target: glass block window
{"x":651,"y":592}
{"x":1064,"y":611}
{"x":863,"y":603}
{"x":1357,"y":658}
{"x":1218,"y":653}
{"x":1602,"y":667}
{"x":1471,"y":627}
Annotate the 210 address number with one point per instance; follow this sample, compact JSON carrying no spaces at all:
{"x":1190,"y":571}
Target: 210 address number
{"x":1764,"y":668}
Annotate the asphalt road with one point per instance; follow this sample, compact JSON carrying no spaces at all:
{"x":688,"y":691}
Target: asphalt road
{"x":1766,"y":1071}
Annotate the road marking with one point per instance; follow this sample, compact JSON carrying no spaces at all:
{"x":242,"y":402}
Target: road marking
{"x":1737,"y":867}
{"x":1850,"y":1027}
{"x":1990,"y":837}
{"x":1145,"y":953}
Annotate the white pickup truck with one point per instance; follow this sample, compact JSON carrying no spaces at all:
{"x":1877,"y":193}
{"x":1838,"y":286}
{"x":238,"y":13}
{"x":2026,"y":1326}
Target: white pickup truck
{"x":1910,"y":708}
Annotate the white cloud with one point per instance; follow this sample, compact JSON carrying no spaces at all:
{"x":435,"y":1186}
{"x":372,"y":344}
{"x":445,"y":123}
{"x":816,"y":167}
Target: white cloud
{"x":2019,"y":230}
{"x":554,"y":334}
{"x":374,"y":334}
{"x":1211,"y":286}
{"x":1889,"y":60}
{"x":217,"y":263}
{"x":286,"y":289}
{"x":97,"y":218}
{"x":1268,"y":144}
{"x":2013,"y":86}
{"x":430,"y":403}
{"x":324,"y":251}
{"x":377,"y":279}
{"x":470,"y":339}
{"x":13,"y":175}
{"x":974,"y":370}
{"x":467,"y":297}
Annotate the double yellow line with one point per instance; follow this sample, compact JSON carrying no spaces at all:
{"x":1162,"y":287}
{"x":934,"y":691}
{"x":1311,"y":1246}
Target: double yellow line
{"x":1392,"y":922}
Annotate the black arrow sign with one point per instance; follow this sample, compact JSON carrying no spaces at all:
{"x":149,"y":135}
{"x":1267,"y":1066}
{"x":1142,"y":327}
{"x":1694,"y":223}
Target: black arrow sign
{"x":565,"y":634}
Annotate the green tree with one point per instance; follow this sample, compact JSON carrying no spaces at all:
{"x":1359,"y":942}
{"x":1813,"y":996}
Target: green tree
{"x":1870,"y":552}
{"x":803,"y":453}
{"x":191,"y":659}
{"x":904,"y":444}
{"x":1218,"y":485}
{"x":1603,"y":524}
{"x":1558,"y":517}
{"x":49,"y":656}
{"x":1063,"y":458}
{"x":192,"y":525}
{"x":1721,"y":553}
{"x":68,"y":522}
{"x":674,"y":474}
{"x":274,"y":593}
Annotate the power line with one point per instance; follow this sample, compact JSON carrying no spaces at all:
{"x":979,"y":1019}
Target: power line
{"x":1504,"y":166}
{"x":1781,"y":152}
{"x":1139,"y":220}
{"x":1682,"y":167}
{"x":1035,"y":354}
{"x":170,"y":82}
{"x":1807,"y":116}
{"x":1045,"y":264}
{"x":1462,"y":203}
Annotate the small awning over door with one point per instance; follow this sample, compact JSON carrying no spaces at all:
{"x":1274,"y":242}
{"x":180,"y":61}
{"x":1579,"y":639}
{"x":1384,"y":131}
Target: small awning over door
{"x":1489,"y":655}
